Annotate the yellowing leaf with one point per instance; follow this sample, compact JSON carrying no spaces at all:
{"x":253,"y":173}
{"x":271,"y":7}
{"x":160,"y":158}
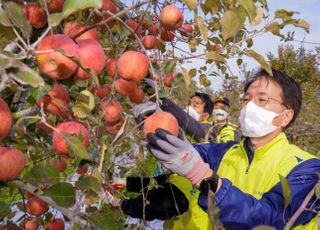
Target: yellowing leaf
{"x":186,"y":77}
{"x":250,"y":8}
{"x":258,"y":17}
{"x":192,"y":4}
{"x":202,"y":27}
{"x":260,"y":60}
{"x":215,"y":56}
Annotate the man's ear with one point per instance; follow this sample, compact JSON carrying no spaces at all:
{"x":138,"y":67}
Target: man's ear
{"x":204,"y":116}
{"x":287,"y":116}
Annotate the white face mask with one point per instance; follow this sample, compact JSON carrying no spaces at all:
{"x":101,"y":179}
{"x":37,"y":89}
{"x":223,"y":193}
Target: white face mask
{"x":256,"y":121}
{"x":191,"y":111}
{"x":220,"y":114}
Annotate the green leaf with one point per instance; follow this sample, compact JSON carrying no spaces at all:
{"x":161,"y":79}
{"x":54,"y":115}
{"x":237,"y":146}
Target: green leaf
{"x":75,"y":146}
{"x":185,"y":217}
{"x":204,"y":80}
{"x":215,"y":56}
{"x":168,"y":224}
{"x":186,"y":77}
{"x":231,"y":22}
{"x":4,"y":20}
{"x":274,"y":28}
{"x":192,"y":73}
{"x":260,"y":59}
{"x":4,"y":207}
{"x":249,"y":42}
{"x":42,"y":174}
{"x":62,"y":193}
{"x":239,"y":61}
{"x":202,"y":27}
{"x":317,"y":191}
{"x":250,"y":8}
{"x":70,"y":7}
{"x":283,"y":14}
{"x":107,"y":218}
{"x":16,"y":16}
{"x":161,"y":46}
{"x":169,"y":67}
{"x":286,"y":191}
{"x":213,"y":6}
{"x":87,"y":183}
{"x":192,"y":4}
{"x":24,"y":74}
{"x":263,"y":227}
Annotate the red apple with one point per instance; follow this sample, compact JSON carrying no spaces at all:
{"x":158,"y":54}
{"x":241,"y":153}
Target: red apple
{"x":31,"y":225}
{"x":113,"y":127}
{"x":112,"y":110}
{"x":133,"y":65}
{"x":162,"y":120}
{"x":82,"y":169}
{"x":36,"y":206}
{"x":5,"y":119}
{"x":166,"y":35}
{"x":168,"y":78}
{"x":11,"y":163}
{"x":56,"y":101}
{"x":73,"y":27}
{"x":56,"y":224}
{"x":55,"y":6}
{"x":91,"y":56}
{"x":149,"y":42}
{"x":107,"y":5}
{"x":102,"y":91}
{"x":70,"y":127}
{"x":171,"y":17}
{"x":35,"y":14}
{"x":59,"y":165}
{"x":54,"y":64}
{"x":137,"y":95}
{"x":186,"y":29}
{"x":124,"y":87}
{"x":154,"y":29}
{"x":111,"y":67}
{"x":135,"y":27}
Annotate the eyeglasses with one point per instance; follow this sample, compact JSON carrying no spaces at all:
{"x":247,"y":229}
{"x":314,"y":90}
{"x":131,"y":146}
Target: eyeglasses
{"x":260,"y":99}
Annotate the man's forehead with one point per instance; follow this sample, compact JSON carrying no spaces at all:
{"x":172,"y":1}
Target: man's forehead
{"x":264,"y":85}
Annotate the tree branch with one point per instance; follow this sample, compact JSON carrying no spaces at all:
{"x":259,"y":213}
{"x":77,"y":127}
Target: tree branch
{"x":74,"y":217}
{"x":302,"y":208}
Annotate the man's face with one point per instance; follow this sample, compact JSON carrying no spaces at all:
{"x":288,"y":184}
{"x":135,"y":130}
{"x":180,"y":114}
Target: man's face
{"x":197,"y":104}
{"x":220,"y":105}
{"x":268,"y":95}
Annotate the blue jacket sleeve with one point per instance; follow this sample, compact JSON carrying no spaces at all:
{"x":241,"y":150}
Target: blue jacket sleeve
{"x":212,"y":153}
{"x":190,"y":125}
{"x":239,"y":210}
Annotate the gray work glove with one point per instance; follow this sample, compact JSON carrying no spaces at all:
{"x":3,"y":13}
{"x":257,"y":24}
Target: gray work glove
{"x":143,"y":110}
{"x":178,"y":155}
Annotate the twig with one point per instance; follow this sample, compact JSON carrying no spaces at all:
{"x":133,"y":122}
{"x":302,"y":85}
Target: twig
{"x":301,"y":209}
{"x":114,"y":16}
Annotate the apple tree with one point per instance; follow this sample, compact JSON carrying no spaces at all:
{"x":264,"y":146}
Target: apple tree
{"x":72,"y":70}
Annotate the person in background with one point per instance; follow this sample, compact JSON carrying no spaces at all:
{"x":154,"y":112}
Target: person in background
{"x":246,"y":177}
{"x":222,"y":129}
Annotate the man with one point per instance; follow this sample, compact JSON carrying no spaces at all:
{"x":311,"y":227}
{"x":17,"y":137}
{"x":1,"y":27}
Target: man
{"x":223,"y":130}
{"x":245,"y":176}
